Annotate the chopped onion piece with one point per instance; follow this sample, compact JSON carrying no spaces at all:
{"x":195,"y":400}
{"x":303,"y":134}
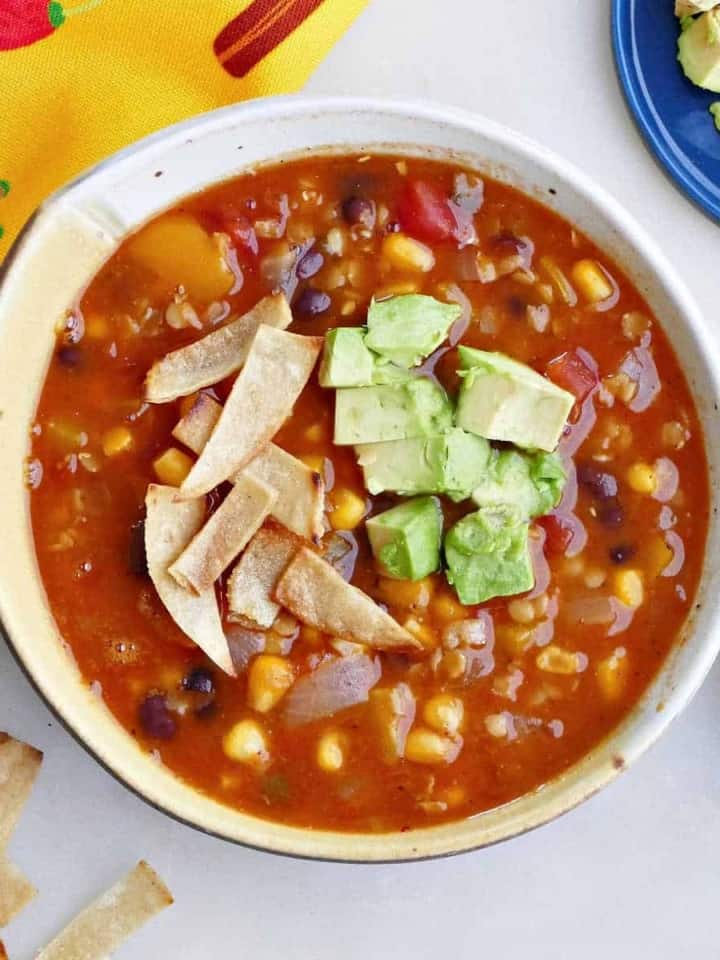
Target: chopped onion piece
{"x":336,"y":684}
{"x":667,"y":478}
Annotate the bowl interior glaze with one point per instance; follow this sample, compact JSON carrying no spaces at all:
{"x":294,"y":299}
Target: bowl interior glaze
{"x":78,"y":228}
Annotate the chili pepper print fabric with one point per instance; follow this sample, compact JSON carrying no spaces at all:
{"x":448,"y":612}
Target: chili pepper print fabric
{"x":83,"y":79}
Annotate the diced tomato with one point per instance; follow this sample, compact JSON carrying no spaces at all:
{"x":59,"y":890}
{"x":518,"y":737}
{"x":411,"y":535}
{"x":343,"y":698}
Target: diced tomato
{"x":574,"y":371}
{"x":559,"y":532}
{"x":424,"y":212}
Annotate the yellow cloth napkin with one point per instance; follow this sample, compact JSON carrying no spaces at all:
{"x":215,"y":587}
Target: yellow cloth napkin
{"x":81,"y":79}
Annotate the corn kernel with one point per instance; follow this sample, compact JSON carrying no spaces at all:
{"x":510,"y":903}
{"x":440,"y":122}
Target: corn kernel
{"x":445,"y":608}
{"x":331,"y":751}
{"x":172,"y":466}
{"x":658,"y":555}
{"x":514,"y":640}
{"x":497,"y":725}
{"x":452,"y":664}
{"x":426,"y":746}
{"x":628,"y":587}
{"x":96,"y":327}
{"x":413,"y":594}
{"x":674,"y":435}
{"x":592,"y":281}
{"x":269,"y":679}
{"x":444,"y":713}
{"x":315,"y":461}
{"x":246,"y":742}
{"x":117,"y":440}
{"x":594,"y":577}
{"x":422,"y":632}
{"x":349,"y":509}
{"x":612,"y":674}
{"x":521,"y":610}
{"x":399,"y":289}
{"x":553,"y":659}
{"x":405,"y":253}
{"x":348,"y":308}
{"x":311,"y":636}
{"x":453,"y":796}
{"x":315,"y":433}
{"x":641,"y":478}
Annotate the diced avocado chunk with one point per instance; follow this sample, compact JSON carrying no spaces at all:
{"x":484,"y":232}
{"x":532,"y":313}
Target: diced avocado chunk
{"x":466,"y":461}
{"x":715,"y":111}
{"x":406,"y":329}
{"x":346,"y":361}
{"x":386,"y":372}
{"x":487,"y":555}
{"x":403,"y":466}
{"x":502,"y":399}
{"x":452,"y":463}
{"x":405,"y":540}
{"x":417,"y":408}
{"x":699,"y":51}
{"x":532,"y":483}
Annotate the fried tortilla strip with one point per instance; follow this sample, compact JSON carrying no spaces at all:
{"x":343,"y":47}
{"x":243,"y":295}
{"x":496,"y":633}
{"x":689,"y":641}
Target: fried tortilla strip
{"x":108,"y":921}
{"x":15,"y":891}
{"x":198,"y":423}
{"x":252,"y":583}
{"x":19,"y":765}
{"x":215,"y":356}
{"x":317,"y":594}
{"x":262,"y":398}
{"x":170,"y":525}
{"x":224,"y":536}
{"x":301,"y":491}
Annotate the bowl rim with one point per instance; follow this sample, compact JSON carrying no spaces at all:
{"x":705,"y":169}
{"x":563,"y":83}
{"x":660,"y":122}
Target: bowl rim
{"x":636,"y":733}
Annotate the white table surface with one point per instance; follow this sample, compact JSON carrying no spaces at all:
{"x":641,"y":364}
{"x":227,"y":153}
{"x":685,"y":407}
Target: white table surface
{"x":636,"y":870}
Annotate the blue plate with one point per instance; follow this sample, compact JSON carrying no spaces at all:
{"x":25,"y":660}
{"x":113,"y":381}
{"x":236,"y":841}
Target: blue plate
{"x":671,"y":112}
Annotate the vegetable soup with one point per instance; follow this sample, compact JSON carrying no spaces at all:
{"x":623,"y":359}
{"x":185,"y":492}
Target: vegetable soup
{"x":366,"y":492}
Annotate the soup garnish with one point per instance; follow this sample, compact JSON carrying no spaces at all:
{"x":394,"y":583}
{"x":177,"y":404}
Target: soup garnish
{"x":367,"y":492}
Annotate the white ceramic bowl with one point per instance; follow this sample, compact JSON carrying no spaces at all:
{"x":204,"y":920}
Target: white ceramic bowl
{"x":78,"y":228}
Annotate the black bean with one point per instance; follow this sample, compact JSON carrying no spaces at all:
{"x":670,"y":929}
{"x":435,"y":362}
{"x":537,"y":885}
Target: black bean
{"x":506,"y":242}
{"x":199,"y":681}
{"x":601,"y":485}
{"x":517,"y":306}
{"x":358,"y":210}
{"x":392,"y":227}
{"x":622,"y":553}
{"x":610,"y":513}
{"x":137,"y":559}
{"x":70,"y":357}
{"x":309,"y":265}
{"x":156,"y":719}
{"x":312,"y":302}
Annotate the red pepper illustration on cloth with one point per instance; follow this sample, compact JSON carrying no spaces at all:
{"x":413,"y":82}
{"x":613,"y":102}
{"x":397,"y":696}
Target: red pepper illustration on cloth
{"x":257,"y":30}
{"x":23,"y":22}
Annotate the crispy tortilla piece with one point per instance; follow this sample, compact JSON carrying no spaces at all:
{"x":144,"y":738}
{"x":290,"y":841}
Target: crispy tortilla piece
{"x":224,"y":535}
{"x":107,"y":922}
{"x":16,"y":891}
{"x":170,"y":525}
{"x":19,"y":766}
{"x":252,"y":583}
{"x":317,"y":594}
{"x":195,"y":427}
{"x":301,"y":491}
{"x":262,"y":398}
{"x":215,"y":356}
